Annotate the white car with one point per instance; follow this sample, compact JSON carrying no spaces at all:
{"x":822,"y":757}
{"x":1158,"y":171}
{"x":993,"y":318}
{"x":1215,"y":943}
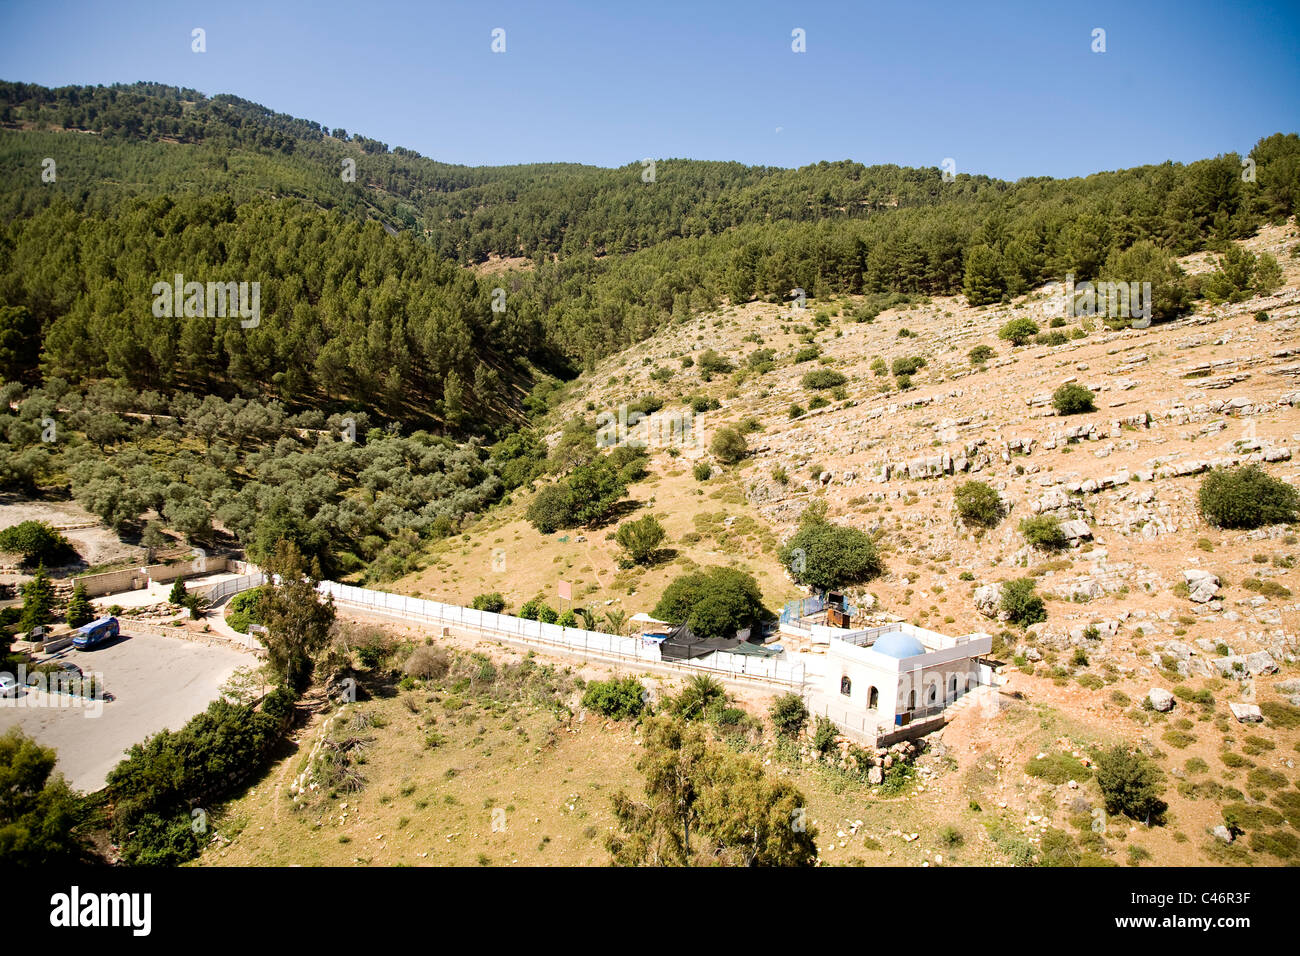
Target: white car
{"x":8,"y":685}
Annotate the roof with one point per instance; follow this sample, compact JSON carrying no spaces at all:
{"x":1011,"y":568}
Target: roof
{"x":898,"y":644}
{"x":683,"y":644}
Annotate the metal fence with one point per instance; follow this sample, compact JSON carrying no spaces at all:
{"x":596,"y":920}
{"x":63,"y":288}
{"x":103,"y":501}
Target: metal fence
{"x":572,"y":639}
{"x":224,"y":589}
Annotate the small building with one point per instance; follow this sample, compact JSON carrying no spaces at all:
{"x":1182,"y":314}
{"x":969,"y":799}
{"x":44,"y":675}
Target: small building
{"x":879,"y":679}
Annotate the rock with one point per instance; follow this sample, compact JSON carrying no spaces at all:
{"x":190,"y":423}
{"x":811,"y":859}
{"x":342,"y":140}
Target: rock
{"x":875,"y":776}
{"x":988,"y":599}
{"x":1202,"y":586}
{"x":1246,"y":713}
{"x":1233,"y":665}
{"x":1076,"y":530}
{"x":1261,"y":662}
{"x":1161,"y":699}
{"x":1222,"y":833}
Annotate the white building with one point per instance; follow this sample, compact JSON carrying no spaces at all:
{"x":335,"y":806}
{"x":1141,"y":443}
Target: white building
{"x":881,"y":679}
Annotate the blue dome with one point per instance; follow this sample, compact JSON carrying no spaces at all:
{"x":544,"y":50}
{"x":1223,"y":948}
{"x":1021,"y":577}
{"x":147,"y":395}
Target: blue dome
{"x":897,"y":644}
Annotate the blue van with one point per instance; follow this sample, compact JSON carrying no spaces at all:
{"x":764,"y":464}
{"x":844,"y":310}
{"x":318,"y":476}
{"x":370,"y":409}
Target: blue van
{"x":88,"y":635}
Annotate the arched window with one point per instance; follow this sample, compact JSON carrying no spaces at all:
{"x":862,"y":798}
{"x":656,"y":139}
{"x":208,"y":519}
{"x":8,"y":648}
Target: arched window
{"x":934,"y":694}
{"x":873,"y":699}
{"x":911,"y":700}
{"x":846,"y":685}
{"x":952,"y":687}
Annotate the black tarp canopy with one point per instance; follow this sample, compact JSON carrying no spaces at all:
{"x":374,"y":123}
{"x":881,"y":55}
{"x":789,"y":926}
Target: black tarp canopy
{"x":683,"y":644}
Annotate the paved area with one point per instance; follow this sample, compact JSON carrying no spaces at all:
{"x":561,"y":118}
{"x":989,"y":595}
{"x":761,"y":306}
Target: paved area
{"x":157,"y":683}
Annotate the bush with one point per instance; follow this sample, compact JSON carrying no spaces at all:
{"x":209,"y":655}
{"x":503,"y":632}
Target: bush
{"x":538,"y":610}
{"x":1058,"y":768}
{"x":701,"y":692}
{"x":1021,"y":603}
{"x":1246,"y":497}
{"x":1018,"y":331}
{"x":702,"y":471}
{"x":619,"y":699}
{"x":492,"y":601}
{"x":789,"y":715}
{"x":427,"y":662}
{"x":245,"y":608}
{"x":824,"y":734}
{"x":1073,"y":399}
{"x":823,"y":378}
{"x":1130,"y":784}
{"x":1044,"y":531}
{"x":979,"y":503}
{"x":981,"y":354}
{"x":907,"y":366}
{"x":729,"y":446}
{"x":710,"y":361}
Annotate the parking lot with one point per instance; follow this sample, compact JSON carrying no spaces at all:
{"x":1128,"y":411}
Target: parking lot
{"x":157,"y":683}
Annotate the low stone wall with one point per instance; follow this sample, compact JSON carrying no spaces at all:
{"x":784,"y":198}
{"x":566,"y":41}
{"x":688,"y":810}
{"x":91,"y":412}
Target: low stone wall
{"x":133,"y":579}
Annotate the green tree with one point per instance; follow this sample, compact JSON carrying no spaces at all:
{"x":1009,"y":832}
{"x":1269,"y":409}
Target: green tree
{"x":715,"y":602}
{"x":1021,"y":603}
{"x":1073,"y":399}
{"x":983,"y":282}
{"x":37,"y":808}
{"x":1130,"y":785}
{"x":728,"y":445}
{"x":179,"y":594}
{"x":789,"y":715}
{"x":1018,"y":331}
{"x":826,"y":557}
{"x":297,"y":620}
{"x":38,"y":601}
{"x":37,"y":542}
{"x":981,"y":354}
{"x":1246,"y":497}
{"x":79,"y":610}
{"x":978,"y":503}
{"x":640,"y":539}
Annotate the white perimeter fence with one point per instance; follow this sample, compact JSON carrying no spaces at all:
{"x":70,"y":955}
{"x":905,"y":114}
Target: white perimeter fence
{"x":571,"y":639}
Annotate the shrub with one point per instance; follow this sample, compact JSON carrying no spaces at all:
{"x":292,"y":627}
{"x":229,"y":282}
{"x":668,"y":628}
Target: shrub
{"x":824,"y":734}
{"x":711,"y":361}
{"x":1044,"y":531}
{"x":702,"y":471}
{"x":789,"y":715}
{"x":245,"y":608}
{"x":1018,"y":331}
{"x":981,"y":354}
{"x":1246,"y":497}
{"x":1021,"y":603}
{"x":1057,"y":768}
{"x":979,"y":503}
{"x":907,"y":366}
{"x":1073,"y":399}
{"x":538,"y":610}
{"x":619,"y":699}
{"x":427,"y":662}
{"x":823,"y":378}
{"x":701,"y":692}
{"x":492,"y":601}
{"x":1130,"y":784}
{"x":729,"y":446}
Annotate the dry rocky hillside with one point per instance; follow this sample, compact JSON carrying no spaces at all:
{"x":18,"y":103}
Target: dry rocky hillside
{"x":1159,"y":627}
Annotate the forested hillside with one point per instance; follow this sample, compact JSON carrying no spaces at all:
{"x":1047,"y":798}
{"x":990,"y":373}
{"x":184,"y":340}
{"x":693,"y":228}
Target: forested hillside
{"x":616,"y":256}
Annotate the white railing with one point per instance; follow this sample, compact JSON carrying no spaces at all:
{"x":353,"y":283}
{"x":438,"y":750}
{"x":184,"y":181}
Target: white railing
{"x":224,"y":589}
{"x":572,"y":639}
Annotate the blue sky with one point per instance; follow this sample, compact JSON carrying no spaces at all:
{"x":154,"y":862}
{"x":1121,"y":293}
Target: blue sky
{"x":1010,"y":89}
